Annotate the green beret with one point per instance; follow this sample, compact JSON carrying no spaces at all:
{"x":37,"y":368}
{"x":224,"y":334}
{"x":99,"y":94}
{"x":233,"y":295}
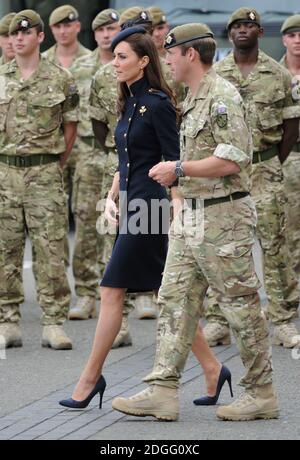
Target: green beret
{"x":65,"y":13}
{"x":5,"y":23}
{"x":244,"y":14}
{"x":157,"y":15}
{"x":25,"y":20}
{"x":187,"y":33}
{"x":291,"y":24}
{"x":135,"y":13}
{"x":105,"y":17}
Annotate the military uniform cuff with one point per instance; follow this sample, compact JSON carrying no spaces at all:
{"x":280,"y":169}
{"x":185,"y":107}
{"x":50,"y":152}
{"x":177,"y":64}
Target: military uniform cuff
{"x":229,"y":152}
{"x":96,"y":114}
{"x":71,"y":116}
{"x":291,"y":112}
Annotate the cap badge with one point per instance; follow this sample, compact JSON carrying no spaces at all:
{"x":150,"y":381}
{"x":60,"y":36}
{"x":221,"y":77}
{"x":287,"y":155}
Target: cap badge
{"x":169,"y":40}
{"x":144,"y":15}
{"x":143,"y":110}
{"x":114,"y":16}
{"x":24,"y":23}
{"x":163,"y":18}
{"x":252,"y":16}
{"x":71,"y":16}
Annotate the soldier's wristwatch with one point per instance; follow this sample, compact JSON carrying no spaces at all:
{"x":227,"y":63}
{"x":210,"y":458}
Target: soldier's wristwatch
{"x":179,"y":169}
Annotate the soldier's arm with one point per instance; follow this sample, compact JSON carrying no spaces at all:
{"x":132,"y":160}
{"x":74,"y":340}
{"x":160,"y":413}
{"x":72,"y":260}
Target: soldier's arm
{"x":70,"y":131}
{"x":289,"y":138}
{"x":100,"y":132}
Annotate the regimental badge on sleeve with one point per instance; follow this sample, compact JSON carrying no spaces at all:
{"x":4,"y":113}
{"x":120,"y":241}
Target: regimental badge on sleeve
{"x":221,"y":115}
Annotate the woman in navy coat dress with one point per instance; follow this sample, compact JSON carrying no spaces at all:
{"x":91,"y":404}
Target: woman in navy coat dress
{"x":147,"y":132}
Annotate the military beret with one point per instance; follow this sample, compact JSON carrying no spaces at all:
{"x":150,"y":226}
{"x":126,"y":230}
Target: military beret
{"x":157,"y":15}
{"x":187,"y":33}
{"x":126,"y":33}
{"x":291,"y":24}
{"x":25,"y":20}
{"x":135,"y":13}
{"x":244,"y":14}
{"x":105,"y":17}
{"x":65,"y":13}
{"x":5,"y":23}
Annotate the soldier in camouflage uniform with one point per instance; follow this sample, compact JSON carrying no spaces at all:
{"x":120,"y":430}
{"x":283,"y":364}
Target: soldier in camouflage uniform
{"x":160,"y":28}
{"x":36,"y":102}
{"x":65,"y":26}
{"x":291,"y":167}
{"x":5,"y":41}
{"x":210,"y":239}
{"x":272,"y":113}
{"x":88,"y":246}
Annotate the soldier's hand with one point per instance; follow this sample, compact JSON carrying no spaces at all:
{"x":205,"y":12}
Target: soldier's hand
{"x":164,"y":173}
{"x":111,"y":211}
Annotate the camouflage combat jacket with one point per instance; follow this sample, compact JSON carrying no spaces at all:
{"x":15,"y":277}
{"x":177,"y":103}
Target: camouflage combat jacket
{"x":52,"y":56}
{"x":214,"y":124}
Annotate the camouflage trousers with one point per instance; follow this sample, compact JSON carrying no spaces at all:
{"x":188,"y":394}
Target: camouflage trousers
{"x":291,"y":171}
{"x":219,"y":255}
{"x":280,"y":279}
{"x":88,"y":246}
{"x":33,"y":200}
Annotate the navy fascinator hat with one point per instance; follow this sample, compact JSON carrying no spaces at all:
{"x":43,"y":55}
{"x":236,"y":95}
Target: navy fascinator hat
{"x":126,"y":33}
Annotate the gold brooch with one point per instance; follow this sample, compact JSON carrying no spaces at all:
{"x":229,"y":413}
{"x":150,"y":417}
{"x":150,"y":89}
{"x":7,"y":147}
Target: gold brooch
{"x":143,"y":110}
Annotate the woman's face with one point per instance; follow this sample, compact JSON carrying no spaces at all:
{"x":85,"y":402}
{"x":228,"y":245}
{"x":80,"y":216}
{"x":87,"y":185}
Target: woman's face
{"x":129,"y":67}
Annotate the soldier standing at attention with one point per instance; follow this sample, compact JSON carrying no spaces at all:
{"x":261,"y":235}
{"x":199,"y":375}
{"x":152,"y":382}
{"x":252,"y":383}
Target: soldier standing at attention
{"x":88,"y":246}
{"x":160,"y":28}
{"x":36,"y":138}
{"x":291,"y":167}
{"x":5,"y":40}
{"x":273,"y":114}
{"x":214,"y":174}
{"x":65,"y":26}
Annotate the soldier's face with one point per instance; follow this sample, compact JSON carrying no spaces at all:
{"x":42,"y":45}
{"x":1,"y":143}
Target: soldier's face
{"x":159,"y":35}
{"x":292,"y":43}
{"x":178,"y":64}
{"x":245,"y":35}
{"x":6,"y":46}
{"x":104,"y":35}
{"x":128,"y":65}
{"x":66,"y":33}
{"x":26,"y":42}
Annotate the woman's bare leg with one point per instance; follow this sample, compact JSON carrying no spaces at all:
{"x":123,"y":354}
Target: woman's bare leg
{"x":210,"y":364}
{"x":108,"y":326}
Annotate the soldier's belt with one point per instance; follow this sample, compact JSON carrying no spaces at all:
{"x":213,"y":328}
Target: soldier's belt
{"x":265,"y":155}
{"x":29,"y":160}
{"x":192,"y":202}
{"x":92,"y":142}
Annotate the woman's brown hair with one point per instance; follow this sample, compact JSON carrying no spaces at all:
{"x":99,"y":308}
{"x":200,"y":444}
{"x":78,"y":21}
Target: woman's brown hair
{"x":142,"y":45}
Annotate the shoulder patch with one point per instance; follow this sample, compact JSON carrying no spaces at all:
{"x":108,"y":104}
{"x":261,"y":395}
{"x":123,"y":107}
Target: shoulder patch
{"x":221,"y":115}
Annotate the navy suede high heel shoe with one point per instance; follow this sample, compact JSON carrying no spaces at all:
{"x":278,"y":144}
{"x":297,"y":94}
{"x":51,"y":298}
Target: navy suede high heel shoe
{"x":98,"y":388}
{"x":225,"y":375}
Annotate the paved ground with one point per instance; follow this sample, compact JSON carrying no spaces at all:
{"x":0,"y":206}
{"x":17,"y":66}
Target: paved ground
{"x":33,"y":379}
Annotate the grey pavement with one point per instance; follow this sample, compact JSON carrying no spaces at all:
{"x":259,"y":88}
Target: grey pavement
{"x":33,"y":379}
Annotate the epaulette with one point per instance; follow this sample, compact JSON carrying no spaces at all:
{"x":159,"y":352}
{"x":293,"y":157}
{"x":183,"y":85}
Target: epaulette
{"x":157,"y":92}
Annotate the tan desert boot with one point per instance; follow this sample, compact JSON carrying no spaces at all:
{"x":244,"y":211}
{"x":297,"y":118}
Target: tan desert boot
{"x":56,"y":338}
{"x":217,"y":334}
{"x":286,"y":335}
{"x":10,"y":335}
{"x":123,"y":338}
{"x":85,"y":309}
{"x":146,"y":306}
{"x":158,"y":401}
{"x":259,"y":403}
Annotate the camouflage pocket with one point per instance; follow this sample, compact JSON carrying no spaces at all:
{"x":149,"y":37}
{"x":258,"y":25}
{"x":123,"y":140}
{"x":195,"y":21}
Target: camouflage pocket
{"x":237,"y":269}
{"x":47,"y":112}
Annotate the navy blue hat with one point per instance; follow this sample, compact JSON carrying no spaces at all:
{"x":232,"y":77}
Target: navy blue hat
{"x":126,"y":33}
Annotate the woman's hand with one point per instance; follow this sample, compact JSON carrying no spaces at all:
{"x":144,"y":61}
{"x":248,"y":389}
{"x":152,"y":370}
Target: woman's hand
{"x":111,"y":211}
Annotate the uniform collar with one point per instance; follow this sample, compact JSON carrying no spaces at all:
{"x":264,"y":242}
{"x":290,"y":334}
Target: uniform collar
{"x":139,"y":87}
{"x":205,"y":84}
{"x":262,"y":64}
